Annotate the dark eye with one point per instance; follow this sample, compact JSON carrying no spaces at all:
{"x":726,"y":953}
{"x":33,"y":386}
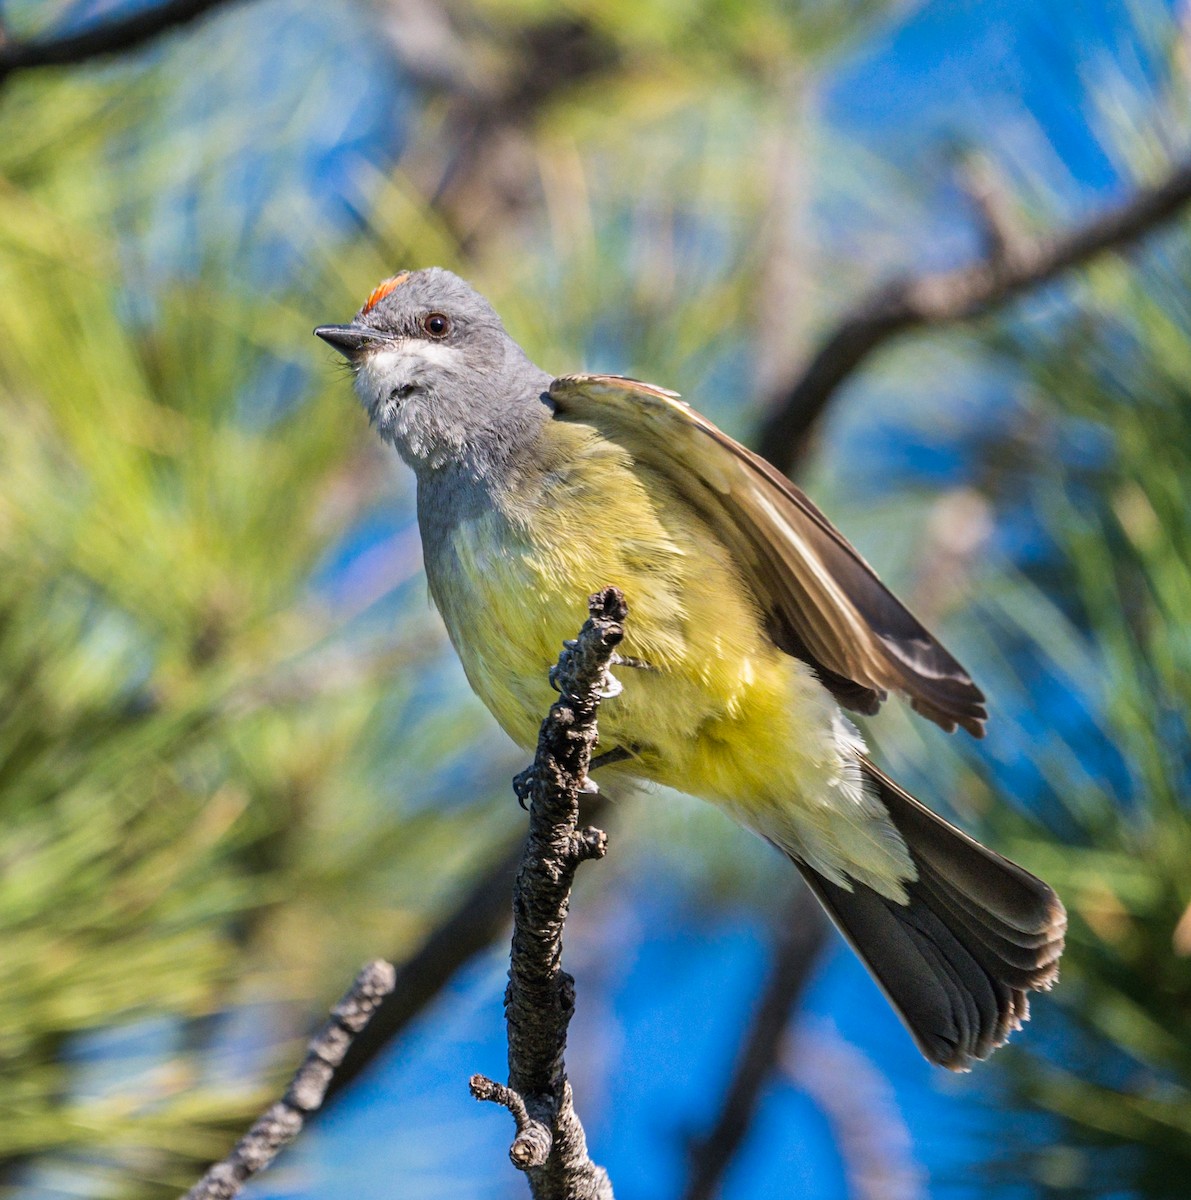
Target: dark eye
{"x":436,"y":324}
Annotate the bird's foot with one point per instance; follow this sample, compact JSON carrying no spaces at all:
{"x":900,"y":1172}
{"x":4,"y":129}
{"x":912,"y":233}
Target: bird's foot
{"x":567,"y":645}
{"x":589,"y":787}
{"x":615,"y":755}
{"x":627,"y":660}
{"x":522,"y":786}
{"x":610,"y":685}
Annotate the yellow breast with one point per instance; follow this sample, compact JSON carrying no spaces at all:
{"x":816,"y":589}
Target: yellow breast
{"x":514,"y":583}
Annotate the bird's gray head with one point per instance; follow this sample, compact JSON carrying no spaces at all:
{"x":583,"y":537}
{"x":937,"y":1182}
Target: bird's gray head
{"x":438,"y":374}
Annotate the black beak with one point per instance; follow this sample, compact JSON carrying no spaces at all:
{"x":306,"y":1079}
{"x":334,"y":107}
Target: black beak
{"x":349,"y":340}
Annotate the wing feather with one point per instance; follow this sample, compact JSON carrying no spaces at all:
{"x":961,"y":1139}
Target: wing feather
{"x":824,"y":603}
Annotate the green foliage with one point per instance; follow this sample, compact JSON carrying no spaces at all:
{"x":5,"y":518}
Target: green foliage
{"x":1108,"y":387}
{"x":188,"y":734}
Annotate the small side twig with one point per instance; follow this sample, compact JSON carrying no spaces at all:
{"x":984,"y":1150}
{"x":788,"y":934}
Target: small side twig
{"x":282,"y":1122}
{"x":550,"y":1145}
{"x":531,"y":1145}
{"x":1001,"y":236}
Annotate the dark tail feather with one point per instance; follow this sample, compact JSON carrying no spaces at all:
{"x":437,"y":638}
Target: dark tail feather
{"x":957,"y":961}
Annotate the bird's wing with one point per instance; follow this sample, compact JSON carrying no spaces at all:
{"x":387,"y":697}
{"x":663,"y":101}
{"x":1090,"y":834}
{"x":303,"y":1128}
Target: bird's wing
{"x":824,"y":603}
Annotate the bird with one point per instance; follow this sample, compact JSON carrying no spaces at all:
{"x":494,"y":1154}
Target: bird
{"x":755,"y":628}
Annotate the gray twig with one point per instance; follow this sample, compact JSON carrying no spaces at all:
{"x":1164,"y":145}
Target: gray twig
{"x":282,"y":1122}
{"x":111,"y":37}
{"x":550,"y":1145}
{"x":923,"y":301}
{"x":533,"y":1140}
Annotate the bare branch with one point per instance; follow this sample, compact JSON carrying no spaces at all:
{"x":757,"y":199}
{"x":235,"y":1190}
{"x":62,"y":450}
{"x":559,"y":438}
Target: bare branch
{"x":472,"y":925}
{"x":939,"y":299}
{"x":550,"y":1145}
{"x":111,"y":37}
{"x":282,"y":1122}
{"x":798,"y":945}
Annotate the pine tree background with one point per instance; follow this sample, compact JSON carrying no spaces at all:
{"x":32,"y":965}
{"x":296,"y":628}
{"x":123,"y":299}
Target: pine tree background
{"x":236,"y":757}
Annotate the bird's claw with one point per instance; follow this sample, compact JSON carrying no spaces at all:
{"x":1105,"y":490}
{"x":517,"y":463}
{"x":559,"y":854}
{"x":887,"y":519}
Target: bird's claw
{"x":609,"y":686}
{"x":522,"y":786}
{"x":627,"y":660}
{"x":553,"y":674}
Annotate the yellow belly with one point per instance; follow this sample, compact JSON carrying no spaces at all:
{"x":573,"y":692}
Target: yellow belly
{"x":719,"y":713}
{"x":518,"y":586}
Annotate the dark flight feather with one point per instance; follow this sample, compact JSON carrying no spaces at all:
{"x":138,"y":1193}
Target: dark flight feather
{"x":823,"y":602}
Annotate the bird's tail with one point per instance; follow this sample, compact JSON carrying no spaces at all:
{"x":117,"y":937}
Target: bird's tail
{"x":978,"y":933}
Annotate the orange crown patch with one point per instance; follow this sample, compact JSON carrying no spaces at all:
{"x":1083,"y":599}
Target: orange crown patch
{"x":382,"y":289}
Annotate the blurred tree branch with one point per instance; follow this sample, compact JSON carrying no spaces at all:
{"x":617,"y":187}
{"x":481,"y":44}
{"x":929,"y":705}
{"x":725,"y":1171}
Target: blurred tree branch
{"x":283,"y":1121}
{"x":1014,"y":265}
{"x":471,"y":927}
{"x":112,"y":37}
{"x":550,"y":1145}
{"x":801,"y":939}
{"x":477,"y":169}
